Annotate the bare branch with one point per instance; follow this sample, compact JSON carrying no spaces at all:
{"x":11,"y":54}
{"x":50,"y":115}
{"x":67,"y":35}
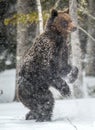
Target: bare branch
{"x":40,"y":16}
{"x":86,"y":12}
{"x":86,"y":33}
{"x":56,"y":4}
{"x":72,"y":123}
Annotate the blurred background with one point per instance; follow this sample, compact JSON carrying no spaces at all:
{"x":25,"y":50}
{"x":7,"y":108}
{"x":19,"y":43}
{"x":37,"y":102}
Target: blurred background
{"x":22,"y":20}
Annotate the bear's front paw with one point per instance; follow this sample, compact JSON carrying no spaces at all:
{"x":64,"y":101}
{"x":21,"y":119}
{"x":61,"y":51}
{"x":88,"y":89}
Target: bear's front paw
{"x":65,"y":91}
{"x":73,"y":75}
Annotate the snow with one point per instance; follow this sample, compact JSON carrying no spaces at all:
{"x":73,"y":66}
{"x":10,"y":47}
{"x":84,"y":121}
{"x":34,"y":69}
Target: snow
{"x":88,"y":86}
{"x":67,"y":115}
{"x":7,"y":85}
{"x":89,"y":81}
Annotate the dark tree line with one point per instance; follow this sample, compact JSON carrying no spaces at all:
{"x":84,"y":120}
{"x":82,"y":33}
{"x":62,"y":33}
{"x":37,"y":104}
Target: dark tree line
{"x":7,"y":36}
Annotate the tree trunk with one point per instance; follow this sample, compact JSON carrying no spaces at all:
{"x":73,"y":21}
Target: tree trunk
{"x":76,"y":51}
{"x":40,"y":16}
{"x":90,"y":67}
{"x":25,"y":33}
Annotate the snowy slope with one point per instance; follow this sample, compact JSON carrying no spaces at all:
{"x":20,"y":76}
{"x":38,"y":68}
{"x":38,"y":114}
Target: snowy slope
{"x":67,"y":115}
{"x":7,"y":85}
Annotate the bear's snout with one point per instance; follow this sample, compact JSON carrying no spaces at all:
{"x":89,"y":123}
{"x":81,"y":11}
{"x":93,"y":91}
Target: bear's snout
{"x":74,"y":29}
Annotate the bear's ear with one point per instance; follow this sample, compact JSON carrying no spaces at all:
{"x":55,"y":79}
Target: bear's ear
{"x":66,"y":11}
{"x":54,"y":13}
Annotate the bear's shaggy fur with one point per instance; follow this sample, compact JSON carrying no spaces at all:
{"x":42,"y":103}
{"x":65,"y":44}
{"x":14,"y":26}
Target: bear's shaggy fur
{"x":45,"y":64}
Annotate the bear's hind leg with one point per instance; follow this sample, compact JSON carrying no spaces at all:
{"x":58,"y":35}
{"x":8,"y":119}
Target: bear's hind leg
{"x":41,"y":107}
{"x":61,"y":86}
{"x":45,"y":106}
{"x":31,"y":115}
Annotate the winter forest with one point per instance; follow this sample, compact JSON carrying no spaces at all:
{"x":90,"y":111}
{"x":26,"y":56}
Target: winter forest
{"x":21,"y":21}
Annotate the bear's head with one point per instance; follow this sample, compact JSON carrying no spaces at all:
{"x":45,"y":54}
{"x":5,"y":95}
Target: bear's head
{"x":60,"y":22}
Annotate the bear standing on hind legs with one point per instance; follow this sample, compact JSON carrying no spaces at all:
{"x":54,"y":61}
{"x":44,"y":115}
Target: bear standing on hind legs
{"x":45,"y":64}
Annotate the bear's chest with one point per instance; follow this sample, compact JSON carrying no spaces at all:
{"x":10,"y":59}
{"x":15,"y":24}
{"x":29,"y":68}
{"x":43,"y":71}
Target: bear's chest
{"x":60,"y":50}
{"x":60,"y":55}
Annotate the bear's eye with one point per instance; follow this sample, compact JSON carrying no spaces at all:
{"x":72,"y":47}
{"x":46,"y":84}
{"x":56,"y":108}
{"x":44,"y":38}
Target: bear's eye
{"x":64,"y":24}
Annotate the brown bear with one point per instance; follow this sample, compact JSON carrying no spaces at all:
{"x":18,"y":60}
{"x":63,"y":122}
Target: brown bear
{"x":45,"y":65}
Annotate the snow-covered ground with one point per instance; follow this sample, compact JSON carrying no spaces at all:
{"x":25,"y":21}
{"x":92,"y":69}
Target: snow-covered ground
{"x":67,"y":115}
{"x":7,"y":85}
